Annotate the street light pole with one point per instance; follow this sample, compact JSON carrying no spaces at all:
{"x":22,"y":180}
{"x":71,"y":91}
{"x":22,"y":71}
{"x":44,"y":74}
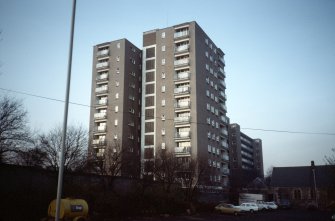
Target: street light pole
{"x":66,"y":110}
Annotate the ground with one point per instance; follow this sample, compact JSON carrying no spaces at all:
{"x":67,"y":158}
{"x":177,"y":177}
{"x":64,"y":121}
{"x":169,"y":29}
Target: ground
{"x":278,"y":215}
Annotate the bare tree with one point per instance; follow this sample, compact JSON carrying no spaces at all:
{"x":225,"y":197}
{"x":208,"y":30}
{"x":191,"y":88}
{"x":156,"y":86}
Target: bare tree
{"x":166,"y":169}
{"x":14,"y":132}
{"x":330,"y":160}
{"x":34,"y":157}
{"x":75,"y":152}
{"x":191,"y":173}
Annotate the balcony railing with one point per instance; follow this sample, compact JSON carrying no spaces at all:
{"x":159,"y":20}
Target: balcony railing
{"x":181,"y":90}
{"x":224,"y":144}
{"x":185,"y":119}
{"x":224,"y":132}
{"x":223,"y":95}
{"x":100,"y":129}
{"x":224,"y":119}
{"x":225,"y":157}
{"x":182,"y":104}
{"x":182,"y":48}
{"x":181,"y":34}
{"x":225,"y":171}
{"x":102,"y":65}
{"x":102,"y":77}
{"x":100,"y":116}
{"x":182,"y":76}
{"x":103,"y":53}
{"x":183,"y":135}
{"x":182,"y":150}
{"x":99,"y":142}
{"x":101,"y":89}
{"x":222,"y":83}
{"x":102,"y":102}
{"x":184,"y":61}
{"x":224,"y":107}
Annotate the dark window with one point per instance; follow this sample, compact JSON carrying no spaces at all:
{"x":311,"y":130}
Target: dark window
{"x":149,"y":127}
{"x":149,"y":114}
{"x":150,"y":76}
{"x":150,"y":64}
{"x":148,"y":153}
{"x":149,"y":140}
{"x":149,"y":89}
{"x":149,"y":101}
{"x":150,"y":52}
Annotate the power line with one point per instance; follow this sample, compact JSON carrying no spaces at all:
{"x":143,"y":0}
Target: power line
{"x":167,"y":119}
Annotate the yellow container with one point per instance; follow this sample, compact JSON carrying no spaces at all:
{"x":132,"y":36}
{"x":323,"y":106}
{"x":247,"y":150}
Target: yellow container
{"x":69,"y":208}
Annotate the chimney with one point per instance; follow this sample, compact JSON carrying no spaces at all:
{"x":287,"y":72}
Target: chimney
{"x":312,"y":164}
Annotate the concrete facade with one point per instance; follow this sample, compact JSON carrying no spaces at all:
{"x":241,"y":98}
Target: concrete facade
{"x":116,"y":101}
{"x":246,"y":157}
{"x":183,"y":100}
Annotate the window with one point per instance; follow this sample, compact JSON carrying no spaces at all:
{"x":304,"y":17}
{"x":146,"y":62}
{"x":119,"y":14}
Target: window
{"x":163,"y":102}
{"x":115,"y":122}
{"x":209,"y":134}
{"x":207,"y":67}
{"x":117,"y":96}
{"x":115,"y":136}
{"x":210,"y":164}
{"x":206,"y":53}
{"x":163,"y":131}
{"x":163,"y":61}
{"x":212,"y":96}
{"x":117,"y":83}
{"x":206,"y":41}
{"x":208,"y":107}
{"x":118,"y":58}
{"x":209,"y":148}
{"x":118,"y":45}
{"x":163,"y":48}
{"x":163,"y":146}
{"x":212,"y":83}
{"x":207,"y":80}
{"x":116,"y":109}
{"x":163,"y":88}
{"x":207,"y":93}
{"x":208,"y":120}
{"x":163,"y":116}
{"x":163,"y":34}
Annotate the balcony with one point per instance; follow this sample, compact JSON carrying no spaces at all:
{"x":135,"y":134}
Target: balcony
{"x":222,"y":83}
{"x":182,"y":104}
{"x":224,"y":132}
{"x":100,"y":90}
{"x":181,"y":34}
{"x":102,"y":102}
{"x":182,"y":48}
{"x":181,"y":62}
{"x":224,"y":119}
{"x":100,"y":116}
{"x":182,"y":76}
{"x":102,"y":77}
{"x":225,"y":171}
{"x":182,"y":150}
{"x":225,"y":157}
{"x":99,"y":142}
{"x":221,"y":75}
{"x":223,"y":95}
{"x":221,"y":71}
{"x":224,"y":144}
{"x":100,"y":129}
{"x":102,"y":65}
{"x":103,"y":53}
{"x":183,"y":135}
{"x":181,"y":120}
{"x":224,"y":107}
{"x":182,"y":90}
{"x":221,"y":60}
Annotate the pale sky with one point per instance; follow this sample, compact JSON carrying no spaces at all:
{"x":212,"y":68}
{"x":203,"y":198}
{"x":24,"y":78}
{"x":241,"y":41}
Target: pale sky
{"x":280,"y":62}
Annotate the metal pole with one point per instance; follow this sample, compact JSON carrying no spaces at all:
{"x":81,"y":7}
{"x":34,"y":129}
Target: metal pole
{"x":66,"y":110}
{"x":316,"y":197}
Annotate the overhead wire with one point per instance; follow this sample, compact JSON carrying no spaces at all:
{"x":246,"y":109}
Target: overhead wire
{"x":157,"y":117}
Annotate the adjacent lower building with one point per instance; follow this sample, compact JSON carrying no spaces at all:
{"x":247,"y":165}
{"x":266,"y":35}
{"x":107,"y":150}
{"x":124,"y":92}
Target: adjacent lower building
{"x":246,"y":158}
{"x":184,"y":100}
{"x":116,"y":104}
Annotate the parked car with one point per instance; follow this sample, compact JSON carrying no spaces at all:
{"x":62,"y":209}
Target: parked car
{"x":248,"y":207}
{"x":262,"y":205}
{"x":284,"y":204}
{"x":271,"y":205}
{"x":227,"y":208}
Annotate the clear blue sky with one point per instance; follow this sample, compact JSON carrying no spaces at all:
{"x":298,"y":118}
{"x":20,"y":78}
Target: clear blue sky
{"x":280,"y":61}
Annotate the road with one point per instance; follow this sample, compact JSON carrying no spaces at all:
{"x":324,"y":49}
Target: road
{"x":278,"y":215}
